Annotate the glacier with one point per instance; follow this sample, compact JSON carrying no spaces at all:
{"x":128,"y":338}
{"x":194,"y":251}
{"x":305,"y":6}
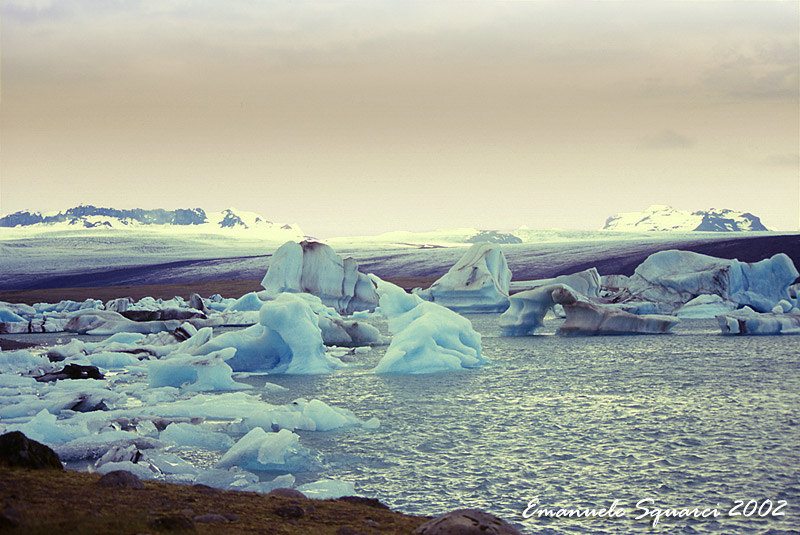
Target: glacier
{"x":478,"y":282}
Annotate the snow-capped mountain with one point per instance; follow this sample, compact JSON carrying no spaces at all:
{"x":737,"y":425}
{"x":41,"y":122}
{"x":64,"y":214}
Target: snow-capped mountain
{"x":666,"y":218}
{"x":195,"y":219}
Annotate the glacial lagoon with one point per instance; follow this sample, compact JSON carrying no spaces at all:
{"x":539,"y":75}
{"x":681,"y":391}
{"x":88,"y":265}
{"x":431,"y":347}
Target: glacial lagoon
{"x":691,"y":419}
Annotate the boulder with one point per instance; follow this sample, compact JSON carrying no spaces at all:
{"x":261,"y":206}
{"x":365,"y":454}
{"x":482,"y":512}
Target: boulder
{"x":466,"y":522}
{"x":120,"y":479}
{"x":71,"y":371}
{"x":18,"y":450}
{"x":287,"y":493}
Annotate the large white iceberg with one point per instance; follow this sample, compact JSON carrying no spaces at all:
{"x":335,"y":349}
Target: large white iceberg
{"x":315,"y":268}
{"x":676,"y":277}
{"x":287,"y":339}
{"x":427,"y":337}
{"x":478,"y":282}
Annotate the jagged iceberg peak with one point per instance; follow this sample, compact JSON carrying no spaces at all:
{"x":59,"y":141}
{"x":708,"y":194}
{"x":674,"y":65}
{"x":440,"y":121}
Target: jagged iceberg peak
{"x":315,"y":268}
{"x":665,"y":218}
{"x":478,"y":282}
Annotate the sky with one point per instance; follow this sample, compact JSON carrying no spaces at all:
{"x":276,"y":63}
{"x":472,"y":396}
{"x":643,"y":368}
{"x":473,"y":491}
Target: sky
{"x":355,"y":118}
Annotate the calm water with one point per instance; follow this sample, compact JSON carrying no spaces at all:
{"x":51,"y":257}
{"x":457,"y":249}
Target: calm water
{"x":692,"y":419}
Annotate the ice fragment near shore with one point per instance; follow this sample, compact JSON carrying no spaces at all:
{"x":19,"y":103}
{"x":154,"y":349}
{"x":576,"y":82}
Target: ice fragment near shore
{"x":259,"y":450}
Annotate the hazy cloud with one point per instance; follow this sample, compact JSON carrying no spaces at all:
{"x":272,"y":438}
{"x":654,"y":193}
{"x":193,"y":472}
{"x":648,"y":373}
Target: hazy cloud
{"x":667,"y":139}
{"x":783,"y":160}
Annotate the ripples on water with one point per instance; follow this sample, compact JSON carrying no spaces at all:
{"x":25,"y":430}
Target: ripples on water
{"x":692,"y":419}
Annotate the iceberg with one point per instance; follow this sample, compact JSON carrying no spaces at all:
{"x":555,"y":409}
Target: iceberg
{"x":187,"y":435}
{"x":287,"y":339}
{"x":748,"y":321}
{"x":585,"y":318}
{"x":587,"y":282}
{"x":427,"y":337}
{"x":259,"y":450}
{"x":194,"y":372}
{"x":315,"y":268}
{"x":676,"y":277}
{"x":528,"y":309}
{"x":478,"y":282}
{"x":107,"y":322}
{"x":705,"y":307}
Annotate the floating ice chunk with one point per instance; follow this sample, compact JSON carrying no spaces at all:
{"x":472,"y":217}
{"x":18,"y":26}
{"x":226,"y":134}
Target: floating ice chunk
{"x":478,"y":282}
{"x":106,"y":322}
{"x":195,"y":372}
{"x":427,"y":337}
{"x":748,"y":321}
{"x":287,"y":340}
{"x":7,"y":315}
{"x":328,"y":489}
{"x":112,"y":361}
{"x":44,"y":427}
{"x":259,"y":450}
{"x":587,"y":282}
{"x":233,"y":478}
{"x":169,"y":463}
{"x":187,"y":435}
{"x":705,"y":307}
{"x":315,"y":268}
{"x":21,"y":361}
{"x":248,"y":302}
{"x":585,"y":318}
{"x":527,"y":310}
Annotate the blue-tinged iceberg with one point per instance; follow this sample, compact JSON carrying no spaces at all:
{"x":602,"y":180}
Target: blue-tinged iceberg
{"x":674,"y":278}
{"x":584,"y":317}
{"x":287,"y":339}
{"x":427,"y":337}
{"x":748,"y":321}
{"x":315,"y":268}
{"x":478,"y":282}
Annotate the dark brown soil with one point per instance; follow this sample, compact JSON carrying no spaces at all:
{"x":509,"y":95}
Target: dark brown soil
{"x":48,"y":501}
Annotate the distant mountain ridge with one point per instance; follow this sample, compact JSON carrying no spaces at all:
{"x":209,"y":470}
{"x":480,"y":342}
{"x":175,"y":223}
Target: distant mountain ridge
{"x":88,"y":216}
{"x":659,"y":218}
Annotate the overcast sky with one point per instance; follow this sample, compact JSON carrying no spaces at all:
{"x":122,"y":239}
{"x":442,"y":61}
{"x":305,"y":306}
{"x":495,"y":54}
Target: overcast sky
{"x":364,"y":117}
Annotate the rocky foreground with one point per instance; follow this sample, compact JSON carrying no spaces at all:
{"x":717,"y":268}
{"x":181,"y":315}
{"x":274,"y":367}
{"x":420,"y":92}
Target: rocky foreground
{"x":38,"y":496}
